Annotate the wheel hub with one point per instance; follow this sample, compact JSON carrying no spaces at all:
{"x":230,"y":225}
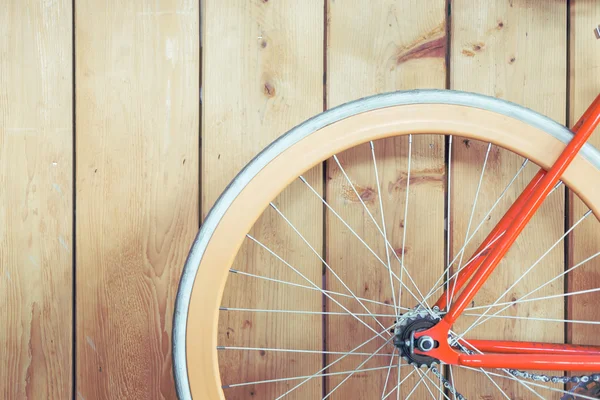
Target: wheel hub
{"x":404,"y":337}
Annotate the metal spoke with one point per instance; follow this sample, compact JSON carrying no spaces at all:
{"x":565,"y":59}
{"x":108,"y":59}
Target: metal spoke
{"x":484,"y":219}
{"x":376,"y":226}
{"x":542,"y":286}
{"x":306,"y":312}
{"x":425,"y":382}
{"x":398,"y":380}
{"x":387,"y":377}
{"x":399,"y":384}
{"x":448,"y":221}
{"x":520,"y":278}
{"x":295,"y":378}
{"x":563,"y":273}
{"x":497,"y":386}
{"x":453,"y":382}
{"x":388,"y":244}
{"x":443,"y":284}
{"x":393,"y":354}
{"x":357,"y":369}
{"x":235,"y":271}
{"x":437,"y":387}
{"x":335,"y":362}
{"x":404,"y":228}
{"x":326,"y":265}
{"x":487,"y":154}
{"x":362,"y":241}
{"x":415,"y":388}
{"x":314,"y":284}
{"x":521,"y":300}
{"x":569,"y":321}
{"x":387,"y":249}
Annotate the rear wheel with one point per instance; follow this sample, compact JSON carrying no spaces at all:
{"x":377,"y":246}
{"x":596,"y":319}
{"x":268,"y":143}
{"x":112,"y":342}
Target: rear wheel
{"x":396,"y":166}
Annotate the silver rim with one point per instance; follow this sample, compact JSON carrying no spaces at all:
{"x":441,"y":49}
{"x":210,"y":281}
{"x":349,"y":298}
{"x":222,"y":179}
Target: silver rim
{"x":305,"y":129}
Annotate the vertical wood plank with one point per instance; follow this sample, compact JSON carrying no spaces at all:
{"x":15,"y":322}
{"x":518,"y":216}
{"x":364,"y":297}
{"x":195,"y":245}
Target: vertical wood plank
{"x":137,"y":89}
{"x":262,"y":75}
{"x":396,"y":45}
{"x":584,"y":87}
{"x":515,"y":50}
{"x":36,"y":131}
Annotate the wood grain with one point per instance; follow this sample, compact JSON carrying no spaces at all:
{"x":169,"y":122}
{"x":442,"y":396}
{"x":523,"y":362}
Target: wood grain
{"x":36,"y":165}
{"x":137,"y":89}
{"x":397,"y":45}
{"x":585,"y":241}
{"x":503,"y":49}
{"x":268,"y":80}
{"x":137,"y":79}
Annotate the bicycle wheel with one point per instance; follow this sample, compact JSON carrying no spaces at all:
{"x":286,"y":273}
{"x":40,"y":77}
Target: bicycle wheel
{"x":422,"y":115}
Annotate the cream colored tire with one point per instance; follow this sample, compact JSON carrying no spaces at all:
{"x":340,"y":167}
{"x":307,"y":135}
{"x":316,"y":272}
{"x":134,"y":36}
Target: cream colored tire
{"x":478,"y":117}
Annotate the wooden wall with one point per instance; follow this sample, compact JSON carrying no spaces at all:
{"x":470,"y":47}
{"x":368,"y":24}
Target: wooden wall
{"x":397,"y":46}
{"x":106,"y":170}
{"x":36,"y":200}
{"x":507,"y":51}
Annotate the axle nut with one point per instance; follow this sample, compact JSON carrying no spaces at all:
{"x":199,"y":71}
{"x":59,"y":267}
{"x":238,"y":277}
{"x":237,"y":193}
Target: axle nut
{"x":425,"y":343}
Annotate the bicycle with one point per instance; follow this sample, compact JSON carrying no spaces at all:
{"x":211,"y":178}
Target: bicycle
{"x":419,"y":332}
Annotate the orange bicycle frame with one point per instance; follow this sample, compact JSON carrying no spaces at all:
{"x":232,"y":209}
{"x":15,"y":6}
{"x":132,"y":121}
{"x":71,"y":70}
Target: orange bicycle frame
{"x":510,"y":354}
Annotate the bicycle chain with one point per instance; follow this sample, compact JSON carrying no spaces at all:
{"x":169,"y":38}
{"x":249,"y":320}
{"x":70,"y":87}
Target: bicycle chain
{"x":545,"y":378}
{"x":447,"y":384}
{"x":521,"y":374}
{"x":554,"y":379}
